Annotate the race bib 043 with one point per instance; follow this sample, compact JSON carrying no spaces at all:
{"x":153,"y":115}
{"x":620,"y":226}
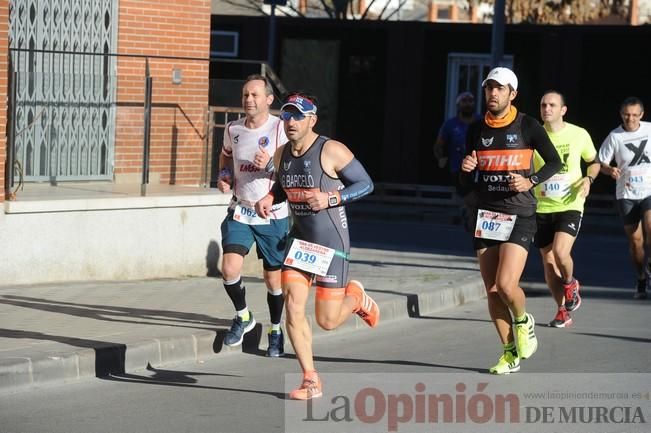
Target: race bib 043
{"x":638,"y":181}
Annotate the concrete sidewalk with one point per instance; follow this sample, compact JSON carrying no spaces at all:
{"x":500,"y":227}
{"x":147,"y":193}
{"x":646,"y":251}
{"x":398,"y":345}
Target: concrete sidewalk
{"x":59,"y":333}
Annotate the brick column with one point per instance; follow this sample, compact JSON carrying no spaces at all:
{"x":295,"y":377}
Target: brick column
{"x":473,"y":11}
{"x":634,"y":13}
{"x":361,"y":6}
{"x":454,"y":13}
{"x":433,"y":11}
{"x":4,"y":81}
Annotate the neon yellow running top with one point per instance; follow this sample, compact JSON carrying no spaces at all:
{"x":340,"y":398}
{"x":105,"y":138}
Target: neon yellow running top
{"x":561,"y":192}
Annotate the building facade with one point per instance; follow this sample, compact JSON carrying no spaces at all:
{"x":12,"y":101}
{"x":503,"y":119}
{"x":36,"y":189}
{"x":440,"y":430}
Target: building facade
{"x":79,"y":112}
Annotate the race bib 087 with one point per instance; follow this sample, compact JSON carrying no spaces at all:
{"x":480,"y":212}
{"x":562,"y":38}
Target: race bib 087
{"x":494,"y":225}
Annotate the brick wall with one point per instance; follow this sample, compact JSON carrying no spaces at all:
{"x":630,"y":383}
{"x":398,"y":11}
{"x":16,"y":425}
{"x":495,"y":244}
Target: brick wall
{"x":169,"y":28}
{"x":4,"y":64}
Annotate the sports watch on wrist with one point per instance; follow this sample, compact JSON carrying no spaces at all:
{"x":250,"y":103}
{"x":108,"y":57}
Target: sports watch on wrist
{"x":332,"y":199}
{"x":534,"y":180}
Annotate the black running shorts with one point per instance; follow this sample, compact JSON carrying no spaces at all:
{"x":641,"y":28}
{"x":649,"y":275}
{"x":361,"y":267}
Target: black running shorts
{"x":550,"y":223}
{"x":631,"y":211}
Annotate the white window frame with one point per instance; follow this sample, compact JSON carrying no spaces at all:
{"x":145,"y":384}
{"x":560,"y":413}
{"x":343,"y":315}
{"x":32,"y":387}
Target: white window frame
{"x":457,"y":61}
{"x":236,"y":43}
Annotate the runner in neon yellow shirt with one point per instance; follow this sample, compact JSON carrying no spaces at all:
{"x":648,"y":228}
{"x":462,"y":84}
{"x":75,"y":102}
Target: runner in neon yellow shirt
{"x":560,"y":204}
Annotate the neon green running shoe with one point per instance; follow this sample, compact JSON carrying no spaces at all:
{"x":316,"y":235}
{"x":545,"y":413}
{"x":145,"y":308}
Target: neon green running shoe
{"x":508,"y":363}
{"x":525,"y":337}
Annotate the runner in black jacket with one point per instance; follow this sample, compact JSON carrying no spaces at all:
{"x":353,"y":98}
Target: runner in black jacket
{"x":498,"y":168}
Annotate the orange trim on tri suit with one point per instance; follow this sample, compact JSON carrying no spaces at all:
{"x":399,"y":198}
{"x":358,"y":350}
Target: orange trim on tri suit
{"x":495,"y":122}
{"x":334,"y":294}
{"x":295,"y":195}
{"x":504,"y":159}
{"x":294,"y":276}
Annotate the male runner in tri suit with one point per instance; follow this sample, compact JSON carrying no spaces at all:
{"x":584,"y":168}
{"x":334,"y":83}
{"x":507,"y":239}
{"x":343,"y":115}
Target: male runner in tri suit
{"x":630,"y":146}
{"x":318,"y":176}
{"x":560,"y":204}
{"x":245,"y":163}
{"x":499,"y":166}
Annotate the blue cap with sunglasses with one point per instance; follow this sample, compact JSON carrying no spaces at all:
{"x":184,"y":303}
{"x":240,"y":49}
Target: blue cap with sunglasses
{"x":303,"y":104}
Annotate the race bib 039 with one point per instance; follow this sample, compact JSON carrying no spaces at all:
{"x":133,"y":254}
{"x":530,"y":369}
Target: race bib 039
{"x":309,"y":257}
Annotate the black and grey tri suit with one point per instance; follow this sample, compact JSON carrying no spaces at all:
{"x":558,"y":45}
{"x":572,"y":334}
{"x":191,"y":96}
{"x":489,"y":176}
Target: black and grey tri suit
{"x":327,"y":227}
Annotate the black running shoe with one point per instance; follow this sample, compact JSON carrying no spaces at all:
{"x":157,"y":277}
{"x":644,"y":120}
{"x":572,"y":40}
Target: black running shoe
{"x":641,"y":289}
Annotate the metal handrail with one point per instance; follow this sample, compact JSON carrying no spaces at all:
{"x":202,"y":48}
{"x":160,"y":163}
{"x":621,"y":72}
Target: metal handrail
{"x":265,"y":70}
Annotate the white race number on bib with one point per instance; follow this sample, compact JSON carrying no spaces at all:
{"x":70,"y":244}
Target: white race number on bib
{"x":309,"y":257}
{"x":247,"y":215}
{"x":494,"y":225}
{"x":556,"y":187}
{"x":638,"y":180}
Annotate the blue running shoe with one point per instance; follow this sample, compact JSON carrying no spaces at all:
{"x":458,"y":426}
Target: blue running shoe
{"x":276,"y":343}
{"x":235,"y":335}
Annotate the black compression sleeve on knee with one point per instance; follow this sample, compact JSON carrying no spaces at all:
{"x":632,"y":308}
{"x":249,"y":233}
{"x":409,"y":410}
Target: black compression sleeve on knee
{"x":275,"y":304}
{"x":237,"y":293}
{"x":357,"y":182}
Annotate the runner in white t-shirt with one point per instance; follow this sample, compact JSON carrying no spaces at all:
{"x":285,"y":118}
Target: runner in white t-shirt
{"x":246,"y":168}
{"x":630,"y":146}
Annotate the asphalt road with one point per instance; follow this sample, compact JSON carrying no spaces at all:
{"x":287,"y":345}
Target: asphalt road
{"x":608,"y":347}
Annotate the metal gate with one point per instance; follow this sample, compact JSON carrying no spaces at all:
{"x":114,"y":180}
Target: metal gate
{"x":466,"y":71}
{"x":65,"y":103}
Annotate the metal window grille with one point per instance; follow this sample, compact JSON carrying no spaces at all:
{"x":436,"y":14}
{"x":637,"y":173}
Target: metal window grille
{"x":65,"y":103}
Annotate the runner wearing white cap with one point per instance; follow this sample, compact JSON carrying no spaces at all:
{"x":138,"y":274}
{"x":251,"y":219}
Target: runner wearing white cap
{"x":499,"y":167}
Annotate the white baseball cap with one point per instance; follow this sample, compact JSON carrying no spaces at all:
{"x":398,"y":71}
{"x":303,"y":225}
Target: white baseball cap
{"x":503,"y":76}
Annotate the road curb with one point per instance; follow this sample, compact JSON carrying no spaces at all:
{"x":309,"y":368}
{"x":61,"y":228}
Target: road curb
{"x":47,"y":369}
